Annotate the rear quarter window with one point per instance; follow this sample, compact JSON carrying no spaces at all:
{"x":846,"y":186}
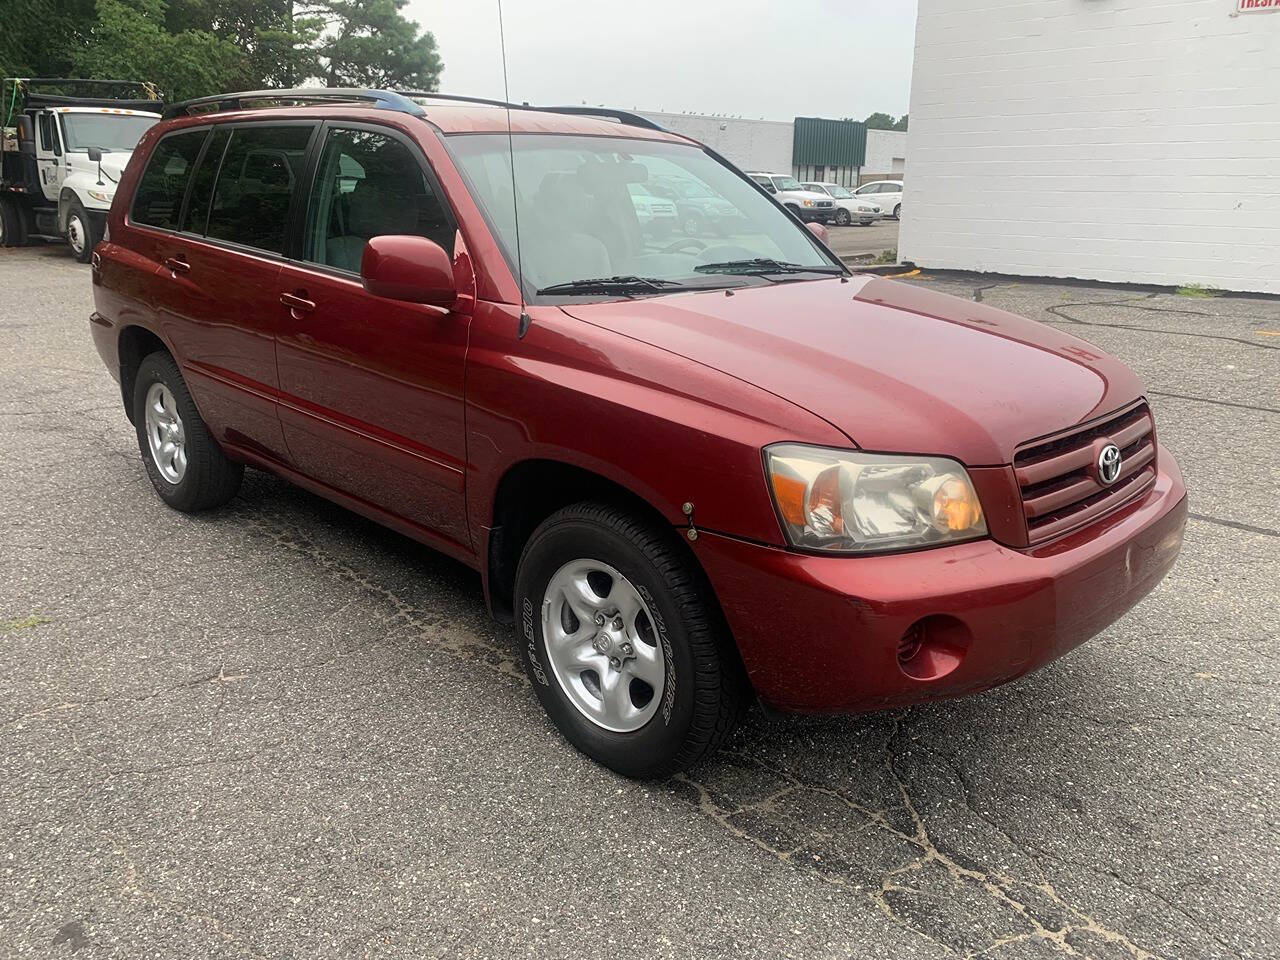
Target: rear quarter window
{"x":158,"y":199}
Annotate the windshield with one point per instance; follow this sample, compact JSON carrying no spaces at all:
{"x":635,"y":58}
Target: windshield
{"x":111,"y":131}
{"x":787,"y":183}
{"x":577,"y":221}
{"x":840,"y":193}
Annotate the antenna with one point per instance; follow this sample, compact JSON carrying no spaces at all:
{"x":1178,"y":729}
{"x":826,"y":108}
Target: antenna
{"x":523,"y":326}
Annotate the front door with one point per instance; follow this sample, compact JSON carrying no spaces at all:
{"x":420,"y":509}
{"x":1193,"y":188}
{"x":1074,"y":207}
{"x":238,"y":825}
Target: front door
{"x":49,"y":153}
{"x":371,"y":390}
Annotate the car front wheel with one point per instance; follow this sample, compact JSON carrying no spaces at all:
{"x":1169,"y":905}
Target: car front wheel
{"x":186,"y":466}
{"x":80,"y":236}
{"x":843,"y":218}
{"x":623,"y":645}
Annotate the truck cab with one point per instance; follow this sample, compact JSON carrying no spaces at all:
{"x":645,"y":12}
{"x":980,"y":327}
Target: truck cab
{"x":62,"y":159}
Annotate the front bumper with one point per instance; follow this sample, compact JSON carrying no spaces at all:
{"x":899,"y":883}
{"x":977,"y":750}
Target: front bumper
{"x":821,"y":634}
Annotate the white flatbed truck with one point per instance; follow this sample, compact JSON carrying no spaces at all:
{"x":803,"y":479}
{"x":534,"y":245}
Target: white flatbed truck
{"x":65,"y":144}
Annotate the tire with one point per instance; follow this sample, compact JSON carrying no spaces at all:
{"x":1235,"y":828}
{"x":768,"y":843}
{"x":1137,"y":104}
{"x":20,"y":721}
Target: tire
{"x":897,"y":212}
{"x":700,"y":692}
{"x":13,"y":231}
{"x":693,"y":225}
{"x":207,"y":478}
{"x":865,"y":223}
{"x":843,"y":219}
{"x":80,"y":232}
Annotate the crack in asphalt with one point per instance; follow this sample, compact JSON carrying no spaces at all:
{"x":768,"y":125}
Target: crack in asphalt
{"x":1058,"y":310}
{"x":1217,"y":403}
{"x":1004,"y":891}
{"x":1234,"y":525}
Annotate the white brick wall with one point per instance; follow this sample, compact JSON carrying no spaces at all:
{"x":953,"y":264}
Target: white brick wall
{"x":886,"y":152}
{"x":750,"y":144}
{"x":1112,"y":140}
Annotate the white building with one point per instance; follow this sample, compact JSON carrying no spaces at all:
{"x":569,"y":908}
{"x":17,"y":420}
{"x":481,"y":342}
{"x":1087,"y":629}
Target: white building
{"x":831,"y":151}
{"x":886,"y":155}
{"x":1115,"y":140}
{"x":750,"y":144}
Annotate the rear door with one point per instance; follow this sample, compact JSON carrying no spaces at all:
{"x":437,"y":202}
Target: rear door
{"x":372,"y":389}
{"x":219,"y":270}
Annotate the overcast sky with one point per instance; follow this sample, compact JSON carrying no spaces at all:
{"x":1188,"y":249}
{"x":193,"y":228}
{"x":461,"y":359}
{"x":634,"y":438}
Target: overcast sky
{"x":775,"y":59}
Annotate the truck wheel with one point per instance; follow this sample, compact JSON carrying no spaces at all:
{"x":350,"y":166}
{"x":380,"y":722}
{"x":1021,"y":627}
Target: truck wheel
{"x":623,"y":647}
{"x":13,"y":232}
{"x":185,"y":464}
{"x":80,"y":235}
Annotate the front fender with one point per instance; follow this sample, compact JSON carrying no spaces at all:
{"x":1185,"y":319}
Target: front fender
{"x":666,"y":428}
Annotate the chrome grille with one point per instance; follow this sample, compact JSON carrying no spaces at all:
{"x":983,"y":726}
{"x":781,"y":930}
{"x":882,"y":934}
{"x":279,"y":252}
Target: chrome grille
{"x":1058,"y":478}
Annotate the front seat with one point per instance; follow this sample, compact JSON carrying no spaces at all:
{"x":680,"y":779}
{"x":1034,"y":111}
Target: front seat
{"x":373,"y":212}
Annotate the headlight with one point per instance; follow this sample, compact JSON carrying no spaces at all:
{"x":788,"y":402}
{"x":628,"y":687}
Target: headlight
{"x":809,"y":203}
{"x":100,"y":196}
{"x":846,"y":501}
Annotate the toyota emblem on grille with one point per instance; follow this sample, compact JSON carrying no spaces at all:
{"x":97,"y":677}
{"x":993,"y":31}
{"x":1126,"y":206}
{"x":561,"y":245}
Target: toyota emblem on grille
{"x":1109,"y":461}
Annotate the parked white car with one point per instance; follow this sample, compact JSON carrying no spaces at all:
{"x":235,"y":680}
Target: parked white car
{"x":886,"y":194}
{"x":848,"y":207}
{"x":808,"y":206}
{"x":657,"y":215}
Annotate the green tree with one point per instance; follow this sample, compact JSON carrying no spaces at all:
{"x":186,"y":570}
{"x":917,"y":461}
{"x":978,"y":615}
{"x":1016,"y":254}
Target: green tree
{"x":40,"y":38}
{"x":130,"y":41}
{"x":902,"y":123}
{"x":880,"y":121}
{"x":370,"y":43}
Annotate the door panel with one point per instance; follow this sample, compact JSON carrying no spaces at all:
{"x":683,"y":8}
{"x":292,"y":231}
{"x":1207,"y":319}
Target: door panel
{"x":48,"y":153}
{"x":371,"y":389}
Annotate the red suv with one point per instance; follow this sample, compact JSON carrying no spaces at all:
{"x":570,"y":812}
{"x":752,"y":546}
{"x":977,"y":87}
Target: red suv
{"x":691,"y":471}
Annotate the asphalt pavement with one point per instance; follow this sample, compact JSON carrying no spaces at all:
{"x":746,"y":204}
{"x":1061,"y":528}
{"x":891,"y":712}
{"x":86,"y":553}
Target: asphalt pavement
{"x":278,"y":730}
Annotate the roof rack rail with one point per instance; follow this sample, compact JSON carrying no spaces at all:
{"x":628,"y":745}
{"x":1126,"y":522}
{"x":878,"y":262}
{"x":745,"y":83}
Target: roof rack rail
{"x":457,"y":98}
{"x":248,"y":99}
{"x":629,"y":117}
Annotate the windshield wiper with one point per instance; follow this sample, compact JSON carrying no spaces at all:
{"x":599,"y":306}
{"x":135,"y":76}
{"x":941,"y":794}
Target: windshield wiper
{"x":611,"y":285}
{"x":757,"y":266}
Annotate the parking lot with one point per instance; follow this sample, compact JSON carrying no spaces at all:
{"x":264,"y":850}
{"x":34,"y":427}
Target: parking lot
{"x":279,"y":730}
{"x":859,"y":243}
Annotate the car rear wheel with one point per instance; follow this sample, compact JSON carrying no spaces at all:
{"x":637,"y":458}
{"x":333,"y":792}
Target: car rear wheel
{"x":897,"y":212}
{"x":842,"y":217}
{"x":80,"y":232}
{"x":186,"y":466}
{"x":623,"y":645}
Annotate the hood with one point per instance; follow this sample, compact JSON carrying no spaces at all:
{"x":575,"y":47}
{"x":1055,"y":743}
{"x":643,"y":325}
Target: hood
{"x":896,"y":368}
{"x":113,"y":163}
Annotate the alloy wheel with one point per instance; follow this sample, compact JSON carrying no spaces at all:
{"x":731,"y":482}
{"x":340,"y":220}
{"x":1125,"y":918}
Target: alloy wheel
{"x":165,"y":434}
{"x":602,"y":645}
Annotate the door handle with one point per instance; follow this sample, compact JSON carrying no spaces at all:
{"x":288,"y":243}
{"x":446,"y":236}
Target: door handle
{"x":297,"y":304}
{"x":176,"y":266}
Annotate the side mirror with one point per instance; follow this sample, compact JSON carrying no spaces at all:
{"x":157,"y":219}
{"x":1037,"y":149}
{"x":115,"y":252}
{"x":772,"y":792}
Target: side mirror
{"x":95,"y":154}
{"x":409,"y":268}
{"x":819,"y":231}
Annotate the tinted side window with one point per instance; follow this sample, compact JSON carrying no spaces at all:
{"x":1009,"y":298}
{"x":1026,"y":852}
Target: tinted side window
{"x":260,"y":170}
{"x":158,"y":200}
{"x":197,"y":215}
{"x":367,"y":185}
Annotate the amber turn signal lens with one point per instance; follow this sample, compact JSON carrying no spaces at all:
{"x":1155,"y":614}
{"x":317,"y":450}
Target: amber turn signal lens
{"x":955,"y":507}
{"x":789,"y":493}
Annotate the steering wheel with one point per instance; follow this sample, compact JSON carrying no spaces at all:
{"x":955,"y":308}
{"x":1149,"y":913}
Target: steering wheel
{"x":683,"y":242}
